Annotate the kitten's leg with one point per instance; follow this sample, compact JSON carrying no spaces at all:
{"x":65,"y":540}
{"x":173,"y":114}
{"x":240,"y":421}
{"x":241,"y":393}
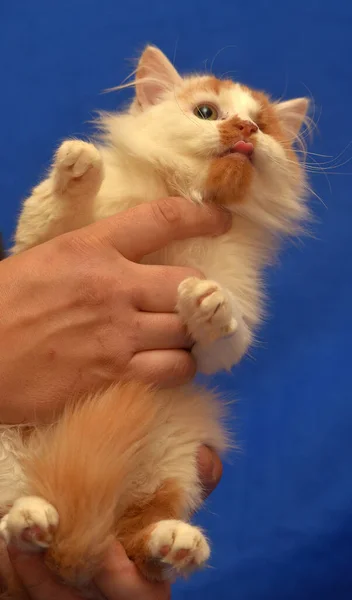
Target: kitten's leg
{"x":64,"y":201}
{"x":215,"y":322}
{"x":179,"y":547}
{"x":30,"y":524}
{"x":78,"y":170}
{"x":158,"y":541}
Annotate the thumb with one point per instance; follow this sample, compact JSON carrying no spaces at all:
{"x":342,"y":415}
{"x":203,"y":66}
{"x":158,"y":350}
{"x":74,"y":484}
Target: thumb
{"x":149,"y":227}
{"x":120,"y":579}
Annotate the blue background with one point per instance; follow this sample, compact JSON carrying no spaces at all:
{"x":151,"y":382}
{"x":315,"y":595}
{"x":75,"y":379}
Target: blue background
{"x":281,"y":521}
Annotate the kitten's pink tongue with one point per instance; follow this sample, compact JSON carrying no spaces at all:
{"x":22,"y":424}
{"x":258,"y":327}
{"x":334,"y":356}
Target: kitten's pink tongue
{"x":244,"y":148}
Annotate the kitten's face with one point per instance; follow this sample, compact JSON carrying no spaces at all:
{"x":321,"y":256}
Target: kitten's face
{"x":232,"y":144}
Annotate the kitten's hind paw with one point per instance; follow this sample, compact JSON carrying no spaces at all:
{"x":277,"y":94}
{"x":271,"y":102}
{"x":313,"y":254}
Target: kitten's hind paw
{"x":30,"y":523}
{"x":178,"y":545}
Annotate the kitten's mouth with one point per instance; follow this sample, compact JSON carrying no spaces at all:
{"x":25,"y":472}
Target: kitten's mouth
{"x":241,"y":147}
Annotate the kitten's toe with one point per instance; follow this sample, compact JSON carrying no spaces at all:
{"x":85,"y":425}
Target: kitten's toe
{"x":30,"y":523}
{"x":206,"y":308}
{"x":77,"y":163}
{"x":78,"y":156}
{"x":179,"y":545}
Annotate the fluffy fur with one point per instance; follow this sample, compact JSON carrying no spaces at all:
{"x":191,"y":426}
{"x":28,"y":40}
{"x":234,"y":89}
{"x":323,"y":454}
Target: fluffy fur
{"x":124,"y":462}
{"x":117,"y":465}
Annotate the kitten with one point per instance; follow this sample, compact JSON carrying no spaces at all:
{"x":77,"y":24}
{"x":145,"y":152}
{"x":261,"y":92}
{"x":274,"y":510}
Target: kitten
{"x":211,"y":141}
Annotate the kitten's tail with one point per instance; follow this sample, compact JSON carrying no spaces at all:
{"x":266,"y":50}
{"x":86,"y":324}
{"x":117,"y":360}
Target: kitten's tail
{"x":82,"y":466}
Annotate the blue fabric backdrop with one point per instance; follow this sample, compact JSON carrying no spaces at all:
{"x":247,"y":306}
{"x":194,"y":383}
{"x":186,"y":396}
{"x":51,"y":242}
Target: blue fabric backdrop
{"x":281,"y":521}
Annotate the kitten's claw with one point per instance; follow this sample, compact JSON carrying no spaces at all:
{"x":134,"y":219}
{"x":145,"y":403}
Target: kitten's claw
{"x":206,"y":309}
{"x":30,"y":523}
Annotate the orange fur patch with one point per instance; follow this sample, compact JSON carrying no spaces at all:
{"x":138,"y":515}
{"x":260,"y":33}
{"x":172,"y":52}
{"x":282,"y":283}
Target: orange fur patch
{"x":269,"y":123}
{"x":80,"y":466}
{"x":267,"y":120}
{"x":134,"y":528}
{"x":206,"y":83}
{"x":228,"y":179}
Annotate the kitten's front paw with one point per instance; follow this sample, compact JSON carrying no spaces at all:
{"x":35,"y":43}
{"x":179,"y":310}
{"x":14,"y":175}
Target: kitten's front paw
{"x":206,"y":309}
{"x":77,"y":163}
{"x":179,"y":546}
{"x":30,"y":523}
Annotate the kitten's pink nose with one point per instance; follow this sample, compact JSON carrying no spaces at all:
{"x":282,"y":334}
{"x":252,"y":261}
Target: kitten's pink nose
{"x":247,"y":128}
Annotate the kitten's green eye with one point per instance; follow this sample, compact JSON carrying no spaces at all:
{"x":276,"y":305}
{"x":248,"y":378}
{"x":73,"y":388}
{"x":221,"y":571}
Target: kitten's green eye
{"x":205,"y":111}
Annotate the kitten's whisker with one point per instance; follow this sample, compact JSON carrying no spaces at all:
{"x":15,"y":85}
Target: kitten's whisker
{"x":219,"y":52}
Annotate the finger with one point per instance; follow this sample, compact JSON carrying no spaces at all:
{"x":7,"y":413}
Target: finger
{"x":120,"y":579}
{"x":152,"y":226}
{"x":209,"y":469}
{"x":161,"y":331}
{"x":36,"y":578}
{"x":165,"y":368}
{"x":161,"y":293}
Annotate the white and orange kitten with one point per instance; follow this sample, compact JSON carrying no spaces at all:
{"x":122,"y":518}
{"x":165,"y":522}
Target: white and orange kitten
{"x":123,"y":463}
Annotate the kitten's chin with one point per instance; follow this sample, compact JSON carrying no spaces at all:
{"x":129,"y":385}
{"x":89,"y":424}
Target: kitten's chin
{"x":229,"y":179}
{"x":236,"y":156}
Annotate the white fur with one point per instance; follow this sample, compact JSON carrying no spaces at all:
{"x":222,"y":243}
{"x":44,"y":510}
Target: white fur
{"x":33,"y":516}
{"x":176,"y":536}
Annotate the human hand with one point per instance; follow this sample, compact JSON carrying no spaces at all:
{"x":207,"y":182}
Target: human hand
{"x":79,"y":312}
{"x":119,"y":578}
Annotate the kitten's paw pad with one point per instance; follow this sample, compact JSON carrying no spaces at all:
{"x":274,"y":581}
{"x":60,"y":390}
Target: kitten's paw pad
{"x":206,"y":309}
{"x":30,"y":523}
{"x":179,"y":545}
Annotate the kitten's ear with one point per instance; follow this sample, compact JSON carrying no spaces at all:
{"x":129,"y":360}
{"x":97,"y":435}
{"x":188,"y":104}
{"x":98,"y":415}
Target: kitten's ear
{"x":292,"y":114}
{"x":155,"y":75}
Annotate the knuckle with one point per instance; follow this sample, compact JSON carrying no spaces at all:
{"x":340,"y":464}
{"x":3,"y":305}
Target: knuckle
{"x":71,"y":242}
{"x":74,"y":247}
{"x":93,"y":288}
{"x":167,"y":211}
{"x":184,"y":367}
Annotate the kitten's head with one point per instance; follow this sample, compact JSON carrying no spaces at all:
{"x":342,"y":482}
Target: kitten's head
{"x":218,"y":140}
